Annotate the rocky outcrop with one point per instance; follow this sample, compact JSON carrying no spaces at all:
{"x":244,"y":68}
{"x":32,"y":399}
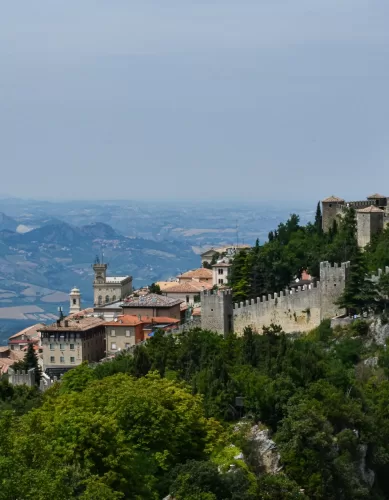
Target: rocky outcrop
{"x":262,"y":452}
{"x":379,"y":331}
{"x":367,"y":474}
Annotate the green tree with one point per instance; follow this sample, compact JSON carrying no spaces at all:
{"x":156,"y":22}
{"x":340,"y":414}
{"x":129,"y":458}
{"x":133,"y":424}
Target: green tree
{"x":30,"y":361}
{"x":154,"y":288}
{"x":360,"y":294}
{"x":318,"y":219}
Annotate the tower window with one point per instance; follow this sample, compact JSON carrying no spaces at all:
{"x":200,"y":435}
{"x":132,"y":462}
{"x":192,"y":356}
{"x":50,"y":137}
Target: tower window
{"x":106,"y":299}
{"x":100,"y":300}
{"x":220,"y":271}
{"x":74,"y":301}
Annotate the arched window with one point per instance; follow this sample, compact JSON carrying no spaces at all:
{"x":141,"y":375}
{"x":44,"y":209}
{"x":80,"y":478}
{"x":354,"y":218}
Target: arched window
{"x":114,"y":298}
{"x":100,"y":300}
{"x":106,"y":299}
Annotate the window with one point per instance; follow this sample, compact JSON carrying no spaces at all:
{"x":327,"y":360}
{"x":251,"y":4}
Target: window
{"x":106,"y":299}
{"x":128,"y":333}
{"x":12,"y":347}
{"x":114,"y":298}
{"x":220,"y":271}
{"x":220,"y":281}
{"x":62,"y":359}
{"x":113,"y":333}
{"x":74,"y":301}
{"x":187,"y":298}
{"x":72,"y":359}
{"x":127,"y":346}
{"x":113,"y":346}
{"x":52,"y":359}
{"x":61,"y":347}
{"x":100,"y":300}
{"x":71,"y":347}
{"x":52,"y":347}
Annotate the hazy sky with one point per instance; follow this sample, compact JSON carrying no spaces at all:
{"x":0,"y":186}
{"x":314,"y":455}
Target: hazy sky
{"x":193,"y":99}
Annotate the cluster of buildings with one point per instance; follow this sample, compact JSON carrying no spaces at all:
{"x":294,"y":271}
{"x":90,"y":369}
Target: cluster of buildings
{"x":372,"y":215}
{"x":119,"y":319}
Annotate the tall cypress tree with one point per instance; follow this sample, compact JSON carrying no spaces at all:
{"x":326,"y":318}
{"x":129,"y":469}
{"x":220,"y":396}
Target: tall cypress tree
{"x":318,"y":219}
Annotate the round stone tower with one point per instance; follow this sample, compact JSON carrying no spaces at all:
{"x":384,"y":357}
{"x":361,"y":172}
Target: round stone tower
{"x":75,"y":300}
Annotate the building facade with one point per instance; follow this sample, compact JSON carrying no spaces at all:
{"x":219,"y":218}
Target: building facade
{"x":221,"y":272}
{"x":107,"y":289}
{"x":68,"y":342}
{"x":153,"y":305}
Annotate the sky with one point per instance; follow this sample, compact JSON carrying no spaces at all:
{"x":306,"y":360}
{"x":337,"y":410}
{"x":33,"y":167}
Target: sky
{"x":194,"y":100}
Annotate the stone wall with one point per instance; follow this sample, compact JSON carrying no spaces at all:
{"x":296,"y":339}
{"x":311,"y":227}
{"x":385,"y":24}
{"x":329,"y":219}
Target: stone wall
{"x":21,"y":377}
{"x":294,"y":310}
{"x":217,"y":311}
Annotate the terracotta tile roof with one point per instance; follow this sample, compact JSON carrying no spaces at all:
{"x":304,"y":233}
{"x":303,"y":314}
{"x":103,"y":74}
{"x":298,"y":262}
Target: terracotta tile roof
{"x":74,"y":324}
{"x":189,"y":287}
{"x":151,"y":300}
{"x":164,"y":285}
{"x":4,"y":348}
{"x":370,"y":210}
{"x":222,"y":264}
{"x":133,"y":320}
{"x":376,"y":196}
{"x":196,"y":311}
{"x":84,"y":312}
{"x":125,"y":320}
{"x":333,"y":199}
{"x":201,"y":273}
{"x":31,"y":331}
{"x":5,"y":363}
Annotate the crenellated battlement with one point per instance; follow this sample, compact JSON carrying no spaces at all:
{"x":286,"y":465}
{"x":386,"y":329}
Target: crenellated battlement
{"x":296,"y":308}
{"x":278,"y":296}
{"x":375,"y":277}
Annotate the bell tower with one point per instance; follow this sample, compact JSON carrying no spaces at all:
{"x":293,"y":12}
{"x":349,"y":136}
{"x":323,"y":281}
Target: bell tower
{"x":75,"y":301}
{"x":100,"y":270}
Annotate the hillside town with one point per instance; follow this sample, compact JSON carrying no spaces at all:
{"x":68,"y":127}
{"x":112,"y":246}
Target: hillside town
{"x":120,"y":317}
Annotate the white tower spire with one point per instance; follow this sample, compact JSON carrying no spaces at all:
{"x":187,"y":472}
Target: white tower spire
{"x":75,"y":300}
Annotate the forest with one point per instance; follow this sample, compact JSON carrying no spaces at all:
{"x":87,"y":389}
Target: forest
{"x":175,"y":418}
{"x":164,"y":421}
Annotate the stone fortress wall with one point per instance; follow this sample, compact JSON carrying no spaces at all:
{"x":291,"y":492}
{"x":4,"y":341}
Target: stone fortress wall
{"x":295,"y":310}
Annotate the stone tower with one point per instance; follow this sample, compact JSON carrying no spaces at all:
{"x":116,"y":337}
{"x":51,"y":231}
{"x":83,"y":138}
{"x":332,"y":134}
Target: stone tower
{"x":75,"y":300}
{"x":217,"y":311}
{"x":333,"y":279}
{"x":370,"y":221}
{"x":331,"y":207}
{"x":100,"y":270}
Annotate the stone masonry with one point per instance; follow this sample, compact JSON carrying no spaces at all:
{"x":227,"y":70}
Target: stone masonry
{"x":295,"y":310}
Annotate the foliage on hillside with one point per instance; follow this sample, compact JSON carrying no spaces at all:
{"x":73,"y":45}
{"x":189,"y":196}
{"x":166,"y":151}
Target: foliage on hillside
{"x":161,"y":421}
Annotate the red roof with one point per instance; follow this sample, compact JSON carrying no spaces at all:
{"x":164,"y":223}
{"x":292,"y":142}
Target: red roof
{"x":132,"y":320}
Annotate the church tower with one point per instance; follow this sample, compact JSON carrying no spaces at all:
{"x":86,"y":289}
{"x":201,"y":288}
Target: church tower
{"x":75,"y":301}
{"x":100,"y":270}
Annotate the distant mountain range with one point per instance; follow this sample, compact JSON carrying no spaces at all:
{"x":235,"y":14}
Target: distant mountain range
{"x":37,"y":265}
{"x":7,"y":223}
